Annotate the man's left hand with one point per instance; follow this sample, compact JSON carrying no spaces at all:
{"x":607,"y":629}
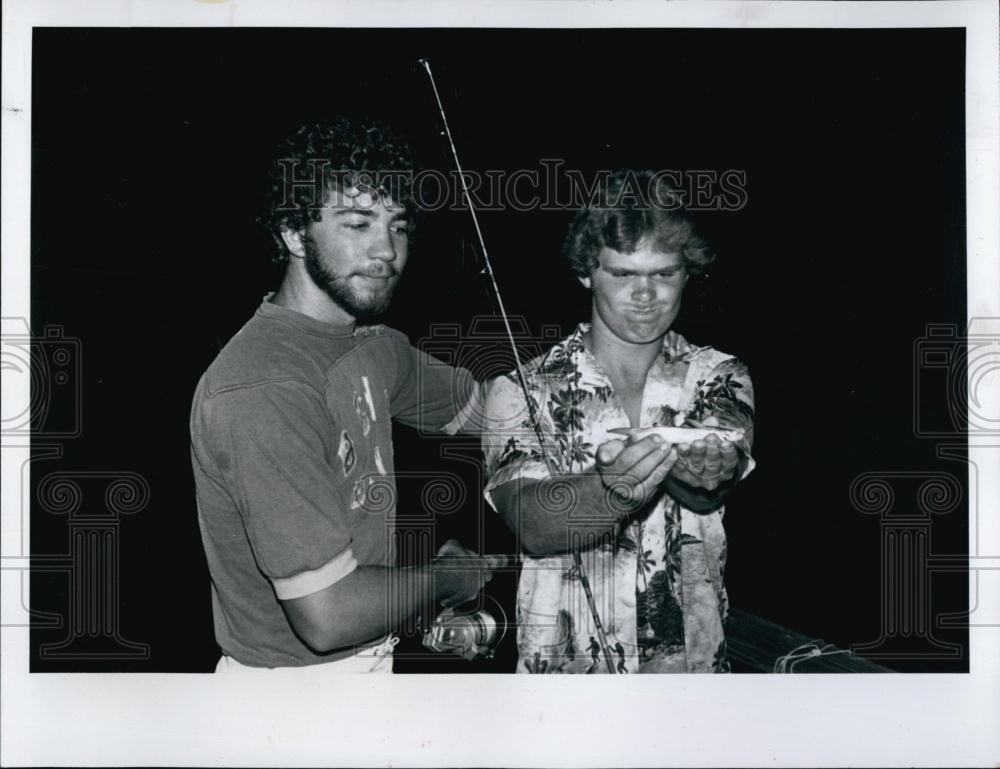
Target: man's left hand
{"x":706,"y":464}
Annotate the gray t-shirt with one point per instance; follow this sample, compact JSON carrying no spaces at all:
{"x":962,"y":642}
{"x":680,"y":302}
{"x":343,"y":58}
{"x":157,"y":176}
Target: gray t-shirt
{"x":291,"y":446}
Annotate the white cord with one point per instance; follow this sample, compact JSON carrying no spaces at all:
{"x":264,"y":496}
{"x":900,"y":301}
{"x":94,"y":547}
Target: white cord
{"x":387,"y":646}
{"x":787,"y":663}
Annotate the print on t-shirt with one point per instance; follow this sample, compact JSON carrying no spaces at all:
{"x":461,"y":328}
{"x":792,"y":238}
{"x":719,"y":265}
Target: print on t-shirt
{"x":362,"y":412}
{"x":368,"y":398}
{"x":360,"y":493}
{"x":346,"y":453}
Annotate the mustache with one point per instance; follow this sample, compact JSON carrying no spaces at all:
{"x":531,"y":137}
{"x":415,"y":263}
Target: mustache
{"x":389,"y":273}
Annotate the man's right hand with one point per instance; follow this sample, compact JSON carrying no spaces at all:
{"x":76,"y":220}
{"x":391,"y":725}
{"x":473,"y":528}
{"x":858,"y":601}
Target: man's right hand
{"x":461,"y":574}
{"x":634,"y":471}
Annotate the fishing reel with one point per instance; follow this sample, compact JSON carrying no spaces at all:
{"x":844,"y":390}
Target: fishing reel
{"x":471,"y":632}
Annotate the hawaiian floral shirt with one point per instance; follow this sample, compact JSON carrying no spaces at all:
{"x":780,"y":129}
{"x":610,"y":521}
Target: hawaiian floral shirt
{"x":658,"y":587}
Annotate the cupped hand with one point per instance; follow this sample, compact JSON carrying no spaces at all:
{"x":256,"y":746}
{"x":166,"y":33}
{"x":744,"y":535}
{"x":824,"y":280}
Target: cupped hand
{"x":706,"y":464}
{"x":634,"y":471}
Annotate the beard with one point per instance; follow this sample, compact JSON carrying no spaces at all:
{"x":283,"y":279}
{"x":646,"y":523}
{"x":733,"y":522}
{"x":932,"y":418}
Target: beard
{"x":364,"y":306}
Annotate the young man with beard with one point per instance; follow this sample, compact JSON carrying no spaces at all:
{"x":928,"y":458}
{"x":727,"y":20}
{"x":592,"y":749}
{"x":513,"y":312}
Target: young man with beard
{"x":290,"y":426}
{"x":644,"y":516}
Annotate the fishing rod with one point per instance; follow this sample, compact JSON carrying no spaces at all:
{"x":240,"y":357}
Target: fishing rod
{"x":522,"y":379}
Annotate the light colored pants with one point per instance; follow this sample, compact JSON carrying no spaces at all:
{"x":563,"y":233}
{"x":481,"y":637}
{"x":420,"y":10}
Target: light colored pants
{"x":371,"y":659}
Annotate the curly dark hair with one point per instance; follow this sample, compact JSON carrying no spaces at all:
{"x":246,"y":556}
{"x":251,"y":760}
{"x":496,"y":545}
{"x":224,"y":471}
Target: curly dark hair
{"x":354,"y":151}
{"x":630,"y":207}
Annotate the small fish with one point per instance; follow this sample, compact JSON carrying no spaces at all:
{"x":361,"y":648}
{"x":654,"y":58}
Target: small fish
{"x":676,"y":435}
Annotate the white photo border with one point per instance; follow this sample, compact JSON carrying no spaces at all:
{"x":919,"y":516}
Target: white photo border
{"x":833,"y":720}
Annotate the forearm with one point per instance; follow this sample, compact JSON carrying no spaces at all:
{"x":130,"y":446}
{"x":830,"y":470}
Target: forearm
{"x":560,"y":514}
{"x":367,"y":604}
{"x":695,"y":499}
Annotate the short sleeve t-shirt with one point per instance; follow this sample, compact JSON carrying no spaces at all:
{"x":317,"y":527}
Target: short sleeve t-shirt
{"x":292,"y":454}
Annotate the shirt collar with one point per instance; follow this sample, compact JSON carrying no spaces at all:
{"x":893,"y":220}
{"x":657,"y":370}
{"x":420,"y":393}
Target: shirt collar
{"x":270,"y":310}
{"x":590,"y":370}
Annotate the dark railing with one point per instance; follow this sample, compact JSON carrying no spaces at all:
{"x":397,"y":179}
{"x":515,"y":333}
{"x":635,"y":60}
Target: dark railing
{"x":757,"y":645}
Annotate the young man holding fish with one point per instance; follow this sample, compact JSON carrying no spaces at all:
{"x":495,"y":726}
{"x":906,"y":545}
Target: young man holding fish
{"x":643,"y":514}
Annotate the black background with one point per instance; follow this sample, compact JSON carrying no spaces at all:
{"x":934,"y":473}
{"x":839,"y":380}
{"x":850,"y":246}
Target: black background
{"x":149,"y":149}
